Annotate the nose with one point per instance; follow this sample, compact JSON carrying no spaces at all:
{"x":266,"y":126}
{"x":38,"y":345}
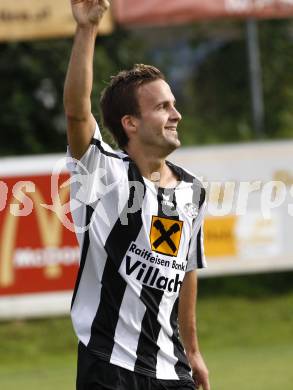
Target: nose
{"x":176,"y":114}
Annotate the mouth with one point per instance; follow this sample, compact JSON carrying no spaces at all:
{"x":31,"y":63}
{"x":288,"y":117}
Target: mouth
{"x":171,"y":128}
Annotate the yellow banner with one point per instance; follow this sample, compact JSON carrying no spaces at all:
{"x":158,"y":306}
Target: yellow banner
{"x":36,"y":19}
{"x":220,"y":236}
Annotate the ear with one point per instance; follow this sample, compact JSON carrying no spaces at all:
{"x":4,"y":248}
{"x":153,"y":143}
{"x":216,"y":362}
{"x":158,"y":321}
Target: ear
{"x":129,"y":123}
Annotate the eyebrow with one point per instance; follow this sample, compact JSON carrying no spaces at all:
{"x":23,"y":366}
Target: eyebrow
{"x":166,"y":101}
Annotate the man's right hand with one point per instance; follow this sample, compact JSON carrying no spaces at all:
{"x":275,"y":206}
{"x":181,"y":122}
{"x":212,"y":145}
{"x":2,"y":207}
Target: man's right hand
{"x":89,"y":12}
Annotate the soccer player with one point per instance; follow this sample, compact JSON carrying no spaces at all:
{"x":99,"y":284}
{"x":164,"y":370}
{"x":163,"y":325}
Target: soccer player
{"x":142,"y":237}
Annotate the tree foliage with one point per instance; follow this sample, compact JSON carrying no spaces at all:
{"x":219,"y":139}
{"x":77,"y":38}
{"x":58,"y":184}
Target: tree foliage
{"x":213,"y":97}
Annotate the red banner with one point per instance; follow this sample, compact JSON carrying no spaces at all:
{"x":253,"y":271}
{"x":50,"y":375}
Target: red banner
{"x":37,"y":253}
{"x":150,"y":12}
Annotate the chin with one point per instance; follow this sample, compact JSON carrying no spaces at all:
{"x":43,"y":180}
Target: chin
{"x":175,"y":143}
{"x":172,"y":146}
{"x":178,"y":144}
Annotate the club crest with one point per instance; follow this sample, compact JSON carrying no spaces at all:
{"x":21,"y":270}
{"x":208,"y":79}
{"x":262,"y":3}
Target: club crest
{"x":191,"y":210}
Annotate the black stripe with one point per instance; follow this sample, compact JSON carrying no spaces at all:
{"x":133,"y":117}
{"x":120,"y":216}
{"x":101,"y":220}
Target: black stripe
{"x":147,"y":349}
{"x":199,"y":250}
{"x":198,"y":192}
{"x":182,"y":367}
{"x":202,"y":196}
{"x":160,"y":200}
{"x":98,"y":144}
{"x":165,"y":210}
{"x":113,"y":285}
{"x":85,"y":247}
{"x":182,"y":174}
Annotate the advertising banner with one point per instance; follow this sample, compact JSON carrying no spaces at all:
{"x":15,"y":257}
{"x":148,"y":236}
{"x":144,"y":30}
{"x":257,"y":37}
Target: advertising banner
{"x":248,"y":224}
{"x":133,"y":12}
{"x":39,"y":256}
{"x":36,"y":19}
{"x":249,"y":216}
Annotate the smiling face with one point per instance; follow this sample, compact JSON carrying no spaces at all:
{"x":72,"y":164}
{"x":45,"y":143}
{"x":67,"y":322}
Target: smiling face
{"x":156,"y":127}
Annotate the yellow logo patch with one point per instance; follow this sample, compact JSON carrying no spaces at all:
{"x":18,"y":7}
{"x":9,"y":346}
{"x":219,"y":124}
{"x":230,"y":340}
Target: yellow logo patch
{"x":165,"y":235}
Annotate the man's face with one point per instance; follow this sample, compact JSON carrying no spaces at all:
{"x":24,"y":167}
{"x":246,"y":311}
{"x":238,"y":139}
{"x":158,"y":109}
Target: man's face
{"x":157,"y":124}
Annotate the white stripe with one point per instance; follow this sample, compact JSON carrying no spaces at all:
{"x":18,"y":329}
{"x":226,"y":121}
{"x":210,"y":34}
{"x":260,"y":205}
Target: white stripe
{"x":128,"y":328}
{"x":105,"y":215}
{"x":88,"y":295}
{"x":166,"y":359}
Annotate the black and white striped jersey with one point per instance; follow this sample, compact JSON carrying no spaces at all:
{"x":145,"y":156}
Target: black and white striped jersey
{"x":137,"y":242}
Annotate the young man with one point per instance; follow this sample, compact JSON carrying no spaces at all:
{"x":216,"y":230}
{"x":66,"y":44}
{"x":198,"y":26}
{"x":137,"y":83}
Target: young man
{"x":136,"y":287}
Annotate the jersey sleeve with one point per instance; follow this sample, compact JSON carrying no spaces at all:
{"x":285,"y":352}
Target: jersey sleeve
{"x":195,"y":256}
{"x":97,"y":172}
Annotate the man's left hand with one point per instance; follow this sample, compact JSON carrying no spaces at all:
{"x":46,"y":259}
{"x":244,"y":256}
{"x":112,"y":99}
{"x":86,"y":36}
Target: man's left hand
{"x":200,"y":372}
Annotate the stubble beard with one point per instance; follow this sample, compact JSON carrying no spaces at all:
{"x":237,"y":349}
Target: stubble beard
{"x":169,"y":145}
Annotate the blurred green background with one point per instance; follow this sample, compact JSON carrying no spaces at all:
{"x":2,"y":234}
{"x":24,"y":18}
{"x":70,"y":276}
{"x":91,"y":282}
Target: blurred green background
{"x":206,"y":64}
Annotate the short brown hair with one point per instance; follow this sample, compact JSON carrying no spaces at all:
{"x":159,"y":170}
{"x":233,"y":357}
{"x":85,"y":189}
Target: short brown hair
{"x":119,"y":98}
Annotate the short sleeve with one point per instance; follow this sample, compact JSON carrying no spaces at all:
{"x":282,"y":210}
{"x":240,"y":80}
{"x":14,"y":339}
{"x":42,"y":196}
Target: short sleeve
{"x":97,"y":172}
{"x":196,"y":257}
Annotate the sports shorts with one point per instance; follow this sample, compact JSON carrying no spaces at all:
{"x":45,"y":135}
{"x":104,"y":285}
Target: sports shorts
{"x":94,"y":373}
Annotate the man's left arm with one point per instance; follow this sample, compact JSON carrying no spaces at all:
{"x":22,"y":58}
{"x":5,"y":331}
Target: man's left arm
{"x":188,"y":332}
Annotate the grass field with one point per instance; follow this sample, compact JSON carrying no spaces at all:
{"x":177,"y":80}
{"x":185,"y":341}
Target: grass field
{"x":247,"y":340}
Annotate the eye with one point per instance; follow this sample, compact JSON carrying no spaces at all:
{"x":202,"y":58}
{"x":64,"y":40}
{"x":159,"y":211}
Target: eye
{"x":163,"y":106}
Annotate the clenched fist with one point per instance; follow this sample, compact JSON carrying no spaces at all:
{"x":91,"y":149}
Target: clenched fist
{"x":88,"y":12}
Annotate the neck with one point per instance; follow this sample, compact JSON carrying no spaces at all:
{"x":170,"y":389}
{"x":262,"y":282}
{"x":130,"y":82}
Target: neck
{"x":153,"y":168}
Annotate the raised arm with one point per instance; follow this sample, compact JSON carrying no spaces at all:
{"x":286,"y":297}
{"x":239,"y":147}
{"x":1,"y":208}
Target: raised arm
{"x":188,"y":332}
{"x":79,"y":78}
